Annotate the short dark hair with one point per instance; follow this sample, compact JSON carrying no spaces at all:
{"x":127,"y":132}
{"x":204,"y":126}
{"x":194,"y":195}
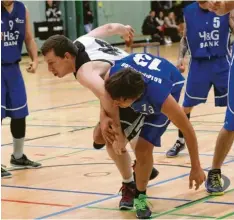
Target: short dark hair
{"x":60,"y":44}
{"x":127,"y":83}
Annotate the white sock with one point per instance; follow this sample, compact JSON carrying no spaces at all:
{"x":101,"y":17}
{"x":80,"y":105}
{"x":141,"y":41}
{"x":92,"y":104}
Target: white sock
{"x":131,"y":179}
{"x":181,"y":140}
{"x":18,"y":145}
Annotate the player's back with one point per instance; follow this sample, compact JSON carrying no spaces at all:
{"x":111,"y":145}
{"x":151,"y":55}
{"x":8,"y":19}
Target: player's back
{"x":98,"y":49}
{"x":161,"y":79}
{"x":154,"y":69}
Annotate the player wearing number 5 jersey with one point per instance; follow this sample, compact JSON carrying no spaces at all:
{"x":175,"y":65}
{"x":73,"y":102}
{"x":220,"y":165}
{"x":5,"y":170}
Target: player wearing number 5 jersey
{"x":206,"y":37}
{"x":147,"y":89}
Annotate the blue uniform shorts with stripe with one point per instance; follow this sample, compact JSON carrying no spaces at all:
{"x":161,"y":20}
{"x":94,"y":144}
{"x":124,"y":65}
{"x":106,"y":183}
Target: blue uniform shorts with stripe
{"x":13,"y":93}
{"x":204,"y":73}
{"x":229,"y":119}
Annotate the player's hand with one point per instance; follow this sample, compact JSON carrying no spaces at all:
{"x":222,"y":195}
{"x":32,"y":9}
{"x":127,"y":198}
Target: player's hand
{"x":198,"y":176}
{"x":106,"y":124}
{"x":32,"y":67}
{"x":128,"y":35}
{"x":119,"y":147}
{"x":217,"y":7}
{"x":181,"y":65}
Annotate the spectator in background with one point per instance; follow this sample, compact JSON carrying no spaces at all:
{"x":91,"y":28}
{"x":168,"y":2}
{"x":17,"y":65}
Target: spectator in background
{"x":151,"y":27}
{"x":171,"y":28}
{"x":88,"y":17}
{"x":53,"y":13}
{"x":160,"y":18}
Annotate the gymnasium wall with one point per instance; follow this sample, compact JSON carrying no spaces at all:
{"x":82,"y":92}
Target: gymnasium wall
{"x":126,"y":12}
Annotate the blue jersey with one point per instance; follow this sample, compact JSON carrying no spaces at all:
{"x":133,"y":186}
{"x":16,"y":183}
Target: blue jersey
{"x":207,"y":33}
{"x":161,"y":79}
{"x":13,"y":32}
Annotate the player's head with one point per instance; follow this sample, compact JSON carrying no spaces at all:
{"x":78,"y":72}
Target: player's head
{"x":125,"y":87}
{"x":203,"y":4}
{"x":59,"y":54}
{"x":7,"y":3}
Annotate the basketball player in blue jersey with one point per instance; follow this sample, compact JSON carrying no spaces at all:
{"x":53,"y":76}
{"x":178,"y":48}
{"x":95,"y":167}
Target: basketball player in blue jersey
{"x":89,"y":58}
{"x":206,"y":37}
{"x":15,"y":29}
{"x":147,"y":89}
{"x":226,"y":135}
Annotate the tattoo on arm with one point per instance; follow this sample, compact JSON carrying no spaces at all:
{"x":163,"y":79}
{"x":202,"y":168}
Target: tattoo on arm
{"x":183,"y":47}
{"x":231,"y":21}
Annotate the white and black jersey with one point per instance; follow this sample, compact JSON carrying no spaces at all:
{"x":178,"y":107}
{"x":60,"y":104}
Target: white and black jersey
{"x":94,"y":49}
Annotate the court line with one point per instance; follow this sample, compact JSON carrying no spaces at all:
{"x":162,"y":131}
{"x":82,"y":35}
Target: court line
{"x":186,"y":205}
{"x":83,"y":148}
{"x":104,"y":194}
{"x":173,"y":214}
{"x":226,"y":216}
{"x":62,"y":106}
{"x":59,"y":190}
{"x":111,"y":197}
{"x":52,"y":126}
{"x":34,"y":203}
{"x":50,"y":135}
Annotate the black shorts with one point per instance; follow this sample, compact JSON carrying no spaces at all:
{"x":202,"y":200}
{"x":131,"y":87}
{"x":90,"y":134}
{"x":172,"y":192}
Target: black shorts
{"x":131,"y":122}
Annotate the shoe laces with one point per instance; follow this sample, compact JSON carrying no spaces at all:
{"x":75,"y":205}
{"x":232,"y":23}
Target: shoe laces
{"x":215,"y":180}
{"x":127,"y":192}
{"x":142,"y":203}
{"x":3,"y":170}
{"x":176,"y":146}
{"x":26,"y":160}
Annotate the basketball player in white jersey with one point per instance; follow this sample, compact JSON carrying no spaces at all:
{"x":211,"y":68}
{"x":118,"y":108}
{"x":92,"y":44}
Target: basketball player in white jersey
{"x":89,"y":57}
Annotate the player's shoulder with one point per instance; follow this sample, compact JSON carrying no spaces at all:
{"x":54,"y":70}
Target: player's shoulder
{"x":85,"y":39}
{"x":19,"y":4}
{"x":191,"y":6}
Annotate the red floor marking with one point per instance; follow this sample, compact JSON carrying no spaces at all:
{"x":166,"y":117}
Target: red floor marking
{"x":36,"y":203}
{"x":39,"y":154}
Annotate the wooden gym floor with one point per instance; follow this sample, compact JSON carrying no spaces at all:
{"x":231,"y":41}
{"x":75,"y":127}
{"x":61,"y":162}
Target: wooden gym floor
{"x":78,"y":182}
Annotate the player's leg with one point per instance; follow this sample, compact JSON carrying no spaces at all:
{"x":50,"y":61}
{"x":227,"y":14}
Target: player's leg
{"x":99,"y":142}
{"x":223,"y":144}
{"x":197,"y":89}
{"x":17,"y":110}
{"x":150,"y":136}
{"x":4,"y":172}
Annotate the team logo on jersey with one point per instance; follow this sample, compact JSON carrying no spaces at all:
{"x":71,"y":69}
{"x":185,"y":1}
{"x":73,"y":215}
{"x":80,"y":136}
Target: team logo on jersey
{"x":20,"y":21}
{"x":11,"y":36}
{"x":211,"y":39}
{"x":107,"y":48}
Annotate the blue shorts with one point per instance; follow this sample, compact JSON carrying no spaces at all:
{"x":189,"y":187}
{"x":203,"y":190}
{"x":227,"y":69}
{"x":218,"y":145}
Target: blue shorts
{"x":203,"y":73}
{"x":150,"y":127}
{"x":229,"y":119}
{"x":13,"y":93}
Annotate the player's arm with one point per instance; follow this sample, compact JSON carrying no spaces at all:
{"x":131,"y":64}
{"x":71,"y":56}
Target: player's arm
{"x":174,"y":112}
{"x":31,"y":45}
{"x":182,"y":51}
{"x":89,"y":75}
{"x":111,"y":29}
{"x":231,"y":21}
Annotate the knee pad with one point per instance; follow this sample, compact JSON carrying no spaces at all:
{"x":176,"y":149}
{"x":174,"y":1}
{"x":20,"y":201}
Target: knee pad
{"x":18,"y":128}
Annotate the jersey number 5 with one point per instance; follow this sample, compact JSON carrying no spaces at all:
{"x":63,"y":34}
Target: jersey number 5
{"x":216,"y":22}
{"x":146,"y":60}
